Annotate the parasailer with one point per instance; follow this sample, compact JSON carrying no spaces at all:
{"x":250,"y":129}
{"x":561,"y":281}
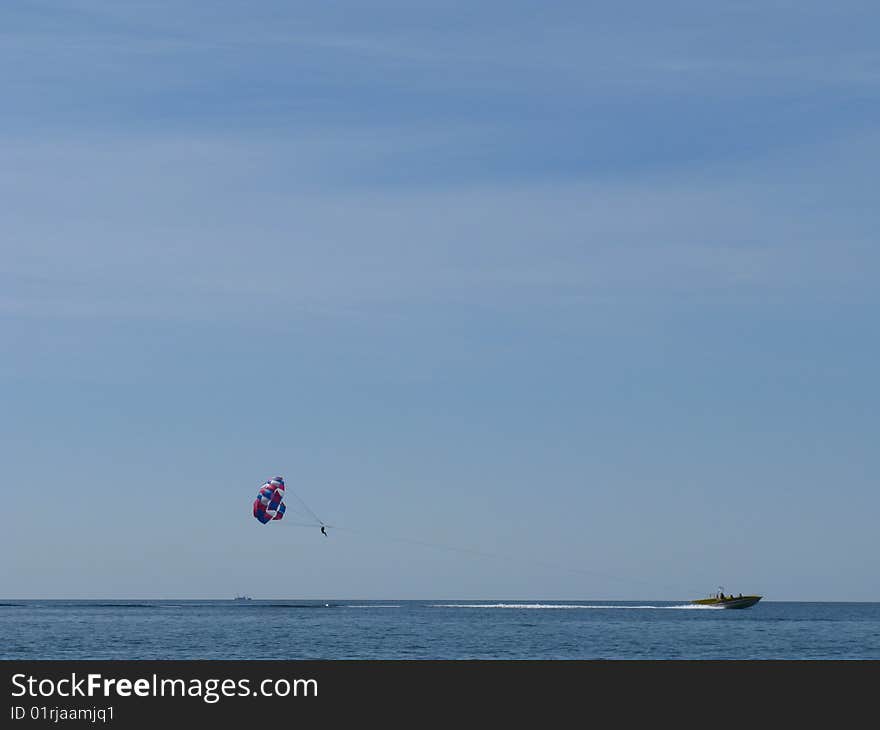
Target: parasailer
{"x":269,"y":505}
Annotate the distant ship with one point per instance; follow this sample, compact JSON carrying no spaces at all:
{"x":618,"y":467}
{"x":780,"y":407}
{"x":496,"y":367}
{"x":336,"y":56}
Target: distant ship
{"x":242,"y":598}
{"x":719,"y":600}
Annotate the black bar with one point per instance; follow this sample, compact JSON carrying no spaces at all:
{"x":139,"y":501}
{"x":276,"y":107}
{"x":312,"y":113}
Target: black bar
{"x":426,"y":692}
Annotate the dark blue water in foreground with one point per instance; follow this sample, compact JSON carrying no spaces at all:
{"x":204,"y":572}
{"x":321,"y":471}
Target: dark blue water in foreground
{"x":434,"y":630}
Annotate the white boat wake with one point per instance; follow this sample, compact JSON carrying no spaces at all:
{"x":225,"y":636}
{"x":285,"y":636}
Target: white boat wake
{"x":535,"y":606}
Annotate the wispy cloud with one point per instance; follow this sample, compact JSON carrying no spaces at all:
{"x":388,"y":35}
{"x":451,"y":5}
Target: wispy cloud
{"x":195,"y":226}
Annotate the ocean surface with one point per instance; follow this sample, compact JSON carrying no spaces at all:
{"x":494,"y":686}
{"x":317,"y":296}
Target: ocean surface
{"x":267,"y":629}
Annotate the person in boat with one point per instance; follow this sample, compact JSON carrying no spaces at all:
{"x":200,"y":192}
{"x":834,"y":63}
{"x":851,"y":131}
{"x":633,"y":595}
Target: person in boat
{"x":324,"y":532}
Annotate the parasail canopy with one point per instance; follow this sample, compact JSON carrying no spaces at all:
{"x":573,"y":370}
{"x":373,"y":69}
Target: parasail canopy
{"x":268,"y":505}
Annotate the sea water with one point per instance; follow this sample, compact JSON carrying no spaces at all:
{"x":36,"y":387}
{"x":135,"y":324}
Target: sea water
{"x":435,"y":629}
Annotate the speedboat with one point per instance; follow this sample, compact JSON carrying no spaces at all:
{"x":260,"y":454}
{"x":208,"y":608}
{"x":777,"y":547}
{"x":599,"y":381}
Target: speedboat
{"x":719,"y":600}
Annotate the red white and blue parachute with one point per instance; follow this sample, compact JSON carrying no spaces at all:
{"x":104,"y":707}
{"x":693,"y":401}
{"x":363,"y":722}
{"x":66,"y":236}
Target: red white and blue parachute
{"x":268,"y":505}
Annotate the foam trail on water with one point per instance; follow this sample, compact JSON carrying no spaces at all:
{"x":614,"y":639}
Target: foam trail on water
{"x":535,"y":606}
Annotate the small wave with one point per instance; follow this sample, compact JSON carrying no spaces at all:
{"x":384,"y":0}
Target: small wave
{"x":375,"y":606}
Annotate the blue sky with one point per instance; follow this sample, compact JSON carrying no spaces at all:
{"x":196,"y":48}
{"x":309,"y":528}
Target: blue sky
{"x":590,"y":287}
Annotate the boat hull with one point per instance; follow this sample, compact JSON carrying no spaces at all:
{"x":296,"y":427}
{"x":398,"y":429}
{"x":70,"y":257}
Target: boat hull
{"x":739,"y":602}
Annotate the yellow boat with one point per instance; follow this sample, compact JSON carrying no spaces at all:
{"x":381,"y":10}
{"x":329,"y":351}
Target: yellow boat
{"x":719,"y":600}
